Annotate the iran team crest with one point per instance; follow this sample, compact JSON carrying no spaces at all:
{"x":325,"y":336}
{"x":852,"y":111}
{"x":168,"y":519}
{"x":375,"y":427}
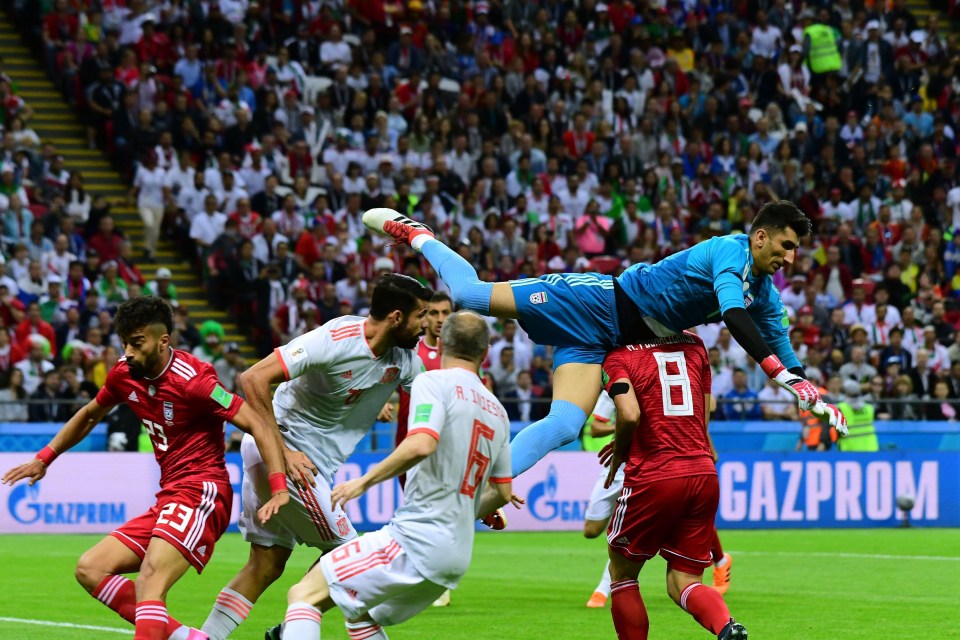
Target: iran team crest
{"x":390,"y":375}
{"x":168,"y":411}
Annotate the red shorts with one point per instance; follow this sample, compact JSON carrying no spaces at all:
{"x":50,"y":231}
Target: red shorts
{"x":674,"y":518}
{"x":190,"y":517}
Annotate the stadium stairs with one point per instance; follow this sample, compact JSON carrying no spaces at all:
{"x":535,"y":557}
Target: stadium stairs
{"x":55,"y":121}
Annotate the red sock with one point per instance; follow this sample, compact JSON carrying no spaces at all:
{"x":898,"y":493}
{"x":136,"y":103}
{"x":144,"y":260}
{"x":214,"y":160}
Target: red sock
{"x":629,"y":615}
{"x":151,"y":620}
{"x":706,"y":606}
{"x":119,"y":594}
{"x":716,"y":550}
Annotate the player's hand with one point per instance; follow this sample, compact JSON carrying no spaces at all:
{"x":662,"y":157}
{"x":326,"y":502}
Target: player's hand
{"x":615,"y":462}
{"x":605,"y":454}
{"x":273,"y":505}
{"x":386,"y":414}
{"x":517,"y":501}
{"x":34,"y":470}
{"x":347,"y":491}
{"x":806,"y":392}
{"x":831,"y":413}
{"x":299,"y":468}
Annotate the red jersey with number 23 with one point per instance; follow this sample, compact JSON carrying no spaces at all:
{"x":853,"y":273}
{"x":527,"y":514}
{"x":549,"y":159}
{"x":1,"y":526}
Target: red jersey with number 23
{"x":670,"y":377}
{"x":183,"y":409}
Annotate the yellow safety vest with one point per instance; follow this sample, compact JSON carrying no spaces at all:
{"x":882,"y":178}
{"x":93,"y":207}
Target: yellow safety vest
{"x":861,"y":436}
{"x":824,"y":55}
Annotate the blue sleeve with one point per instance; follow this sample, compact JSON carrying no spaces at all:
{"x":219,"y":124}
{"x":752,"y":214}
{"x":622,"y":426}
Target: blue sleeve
{"x":727,"y":262}
{"x":770,"y":316}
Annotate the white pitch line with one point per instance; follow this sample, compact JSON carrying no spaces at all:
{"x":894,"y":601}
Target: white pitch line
{"x":66,"y":625}
{"x":858,"y":556}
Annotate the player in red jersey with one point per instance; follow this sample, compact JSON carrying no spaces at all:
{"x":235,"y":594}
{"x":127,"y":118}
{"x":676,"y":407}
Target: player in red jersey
{"x":181,"y":404}
{"x":670,"y":491}
{"x":428,"y":348}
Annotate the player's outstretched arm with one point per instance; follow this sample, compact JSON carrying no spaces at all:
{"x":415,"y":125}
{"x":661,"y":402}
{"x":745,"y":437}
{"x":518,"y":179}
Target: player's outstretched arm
{"x":271,"y":449}
{"x":75,"y":430}
{"x":414,"y":448}
{"x":256,"y":383}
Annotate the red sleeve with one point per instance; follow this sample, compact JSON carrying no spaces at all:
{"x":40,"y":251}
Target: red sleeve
{"x":109,"y":394}
{"x":212,"y":397}
{"x":615,"y":367}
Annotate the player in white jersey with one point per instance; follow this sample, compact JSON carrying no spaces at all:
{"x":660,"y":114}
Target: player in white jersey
{"x":458,"y":442}
{"x":602,"y":499}
{"x":334,"y":382}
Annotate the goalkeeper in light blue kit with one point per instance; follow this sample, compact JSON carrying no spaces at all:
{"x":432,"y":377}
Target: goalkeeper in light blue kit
{"x":585,"y":315}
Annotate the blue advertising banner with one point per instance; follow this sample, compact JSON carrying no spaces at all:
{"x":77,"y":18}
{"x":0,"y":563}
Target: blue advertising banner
{"x":757,"y":491}
{"x":802,"y":490}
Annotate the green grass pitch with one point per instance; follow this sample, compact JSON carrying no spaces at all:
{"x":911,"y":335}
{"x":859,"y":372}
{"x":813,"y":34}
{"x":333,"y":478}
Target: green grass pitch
{"x":809,"y":585}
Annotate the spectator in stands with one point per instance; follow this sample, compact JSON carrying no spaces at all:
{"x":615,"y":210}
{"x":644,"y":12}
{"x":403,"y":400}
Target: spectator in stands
{"x":740,"y":402}
{"x":36,"y":364}
{"x":44,"y":406}
{"x":521,"y":404}
{"x":13,"y":407}
{"x":777,"y":404}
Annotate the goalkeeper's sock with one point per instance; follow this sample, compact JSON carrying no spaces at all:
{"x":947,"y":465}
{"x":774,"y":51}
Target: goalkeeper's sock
{"x":119,"y":594}
{"x":466,"y":289}
{"x":562,"y":425}
{"x":706,"y":606}
{"x":629,"y":615}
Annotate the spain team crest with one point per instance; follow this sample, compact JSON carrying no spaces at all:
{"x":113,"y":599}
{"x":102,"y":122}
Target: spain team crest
{"x":390,"y":375}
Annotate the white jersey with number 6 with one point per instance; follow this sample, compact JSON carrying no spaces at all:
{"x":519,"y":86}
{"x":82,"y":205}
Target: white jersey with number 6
{"x":335,"y":388}
{"x":435,"y":525}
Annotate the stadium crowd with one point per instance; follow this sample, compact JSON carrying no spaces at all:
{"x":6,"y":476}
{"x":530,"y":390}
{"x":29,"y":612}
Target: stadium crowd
{"x":536,"y":136}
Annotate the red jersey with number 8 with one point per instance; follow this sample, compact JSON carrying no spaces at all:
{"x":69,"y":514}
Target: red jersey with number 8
{"x":670,"y":377}
{"x":184,"y":410}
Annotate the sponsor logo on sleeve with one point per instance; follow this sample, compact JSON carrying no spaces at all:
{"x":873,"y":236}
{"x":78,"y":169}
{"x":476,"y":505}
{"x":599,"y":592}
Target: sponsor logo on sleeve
{"x":221,"y":396}
{"x":297,"y":354}
{"x":422,"y":414}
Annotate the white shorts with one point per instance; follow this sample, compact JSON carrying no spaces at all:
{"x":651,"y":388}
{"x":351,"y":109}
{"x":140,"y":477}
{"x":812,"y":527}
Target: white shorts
{"x":603,"y":501}
{"x":374,"y":575}
{"x":307,"y":519}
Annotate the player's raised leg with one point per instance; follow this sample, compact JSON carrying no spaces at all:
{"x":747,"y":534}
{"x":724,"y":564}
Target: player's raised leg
{"x":466,"y":289}
{"x":576,"y":386}
{"x":162,"y":566}
{"x":234,"y":602}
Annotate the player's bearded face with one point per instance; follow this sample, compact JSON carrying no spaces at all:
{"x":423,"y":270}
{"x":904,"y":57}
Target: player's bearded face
{"x":142,"y":354}
{"x":411,"y":327}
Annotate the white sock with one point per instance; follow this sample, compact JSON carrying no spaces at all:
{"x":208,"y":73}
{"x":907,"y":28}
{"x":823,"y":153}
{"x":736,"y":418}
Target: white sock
{"x":180,"y":634}
{"x":417,"y":242}
{"x":230,"y":610}
{"x":302,"y":622}
{"x":365,"y":631}
{"x":721,"y":562}
{"x":604,"y":586}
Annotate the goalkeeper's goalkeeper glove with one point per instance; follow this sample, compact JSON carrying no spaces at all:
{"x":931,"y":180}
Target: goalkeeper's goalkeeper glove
{"x":805,"y":391}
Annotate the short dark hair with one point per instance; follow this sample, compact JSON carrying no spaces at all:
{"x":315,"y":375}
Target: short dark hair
{"x":783,"y":214}
{"x":141,"y":312}
{"x":440,"y":296}
{"x":465,"y":335}
{"x":396,"y":291}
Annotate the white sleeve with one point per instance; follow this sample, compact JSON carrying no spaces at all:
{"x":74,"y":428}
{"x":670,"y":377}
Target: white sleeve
{"x":604,"y":408}
{"x":307,"y":352}
{"x":502,"y":470}
{"x":428,"y":408}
